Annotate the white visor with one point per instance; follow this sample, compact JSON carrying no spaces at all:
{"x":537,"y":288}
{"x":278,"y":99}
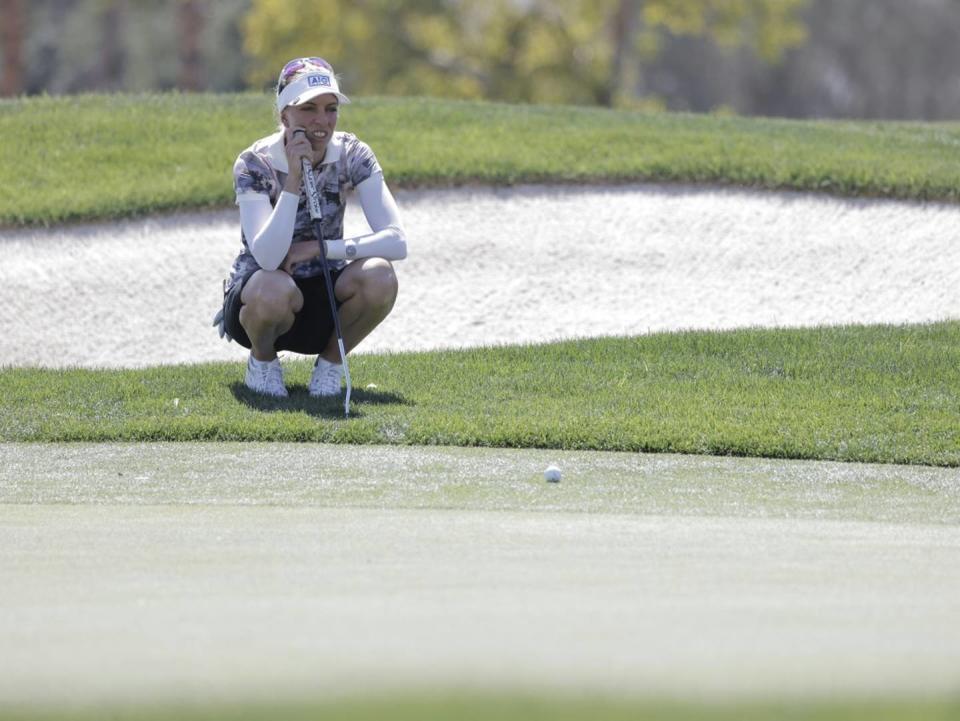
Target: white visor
{"x":309,"y":86}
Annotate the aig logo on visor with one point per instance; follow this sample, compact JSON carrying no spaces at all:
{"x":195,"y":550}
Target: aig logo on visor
{"x":316,"y":80}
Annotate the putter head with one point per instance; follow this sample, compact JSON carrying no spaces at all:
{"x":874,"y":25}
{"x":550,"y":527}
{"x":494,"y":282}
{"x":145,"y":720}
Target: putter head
{"x":346,"y":377}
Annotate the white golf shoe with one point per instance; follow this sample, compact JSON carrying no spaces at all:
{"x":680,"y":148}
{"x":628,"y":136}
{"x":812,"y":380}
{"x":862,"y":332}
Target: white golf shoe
{"x":265,"y":377}
{"x":325,"y":380}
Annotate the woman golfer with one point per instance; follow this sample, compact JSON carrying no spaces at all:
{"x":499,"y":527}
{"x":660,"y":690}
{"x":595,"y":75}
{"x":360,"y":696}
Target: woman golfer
{"x":275,"y":298}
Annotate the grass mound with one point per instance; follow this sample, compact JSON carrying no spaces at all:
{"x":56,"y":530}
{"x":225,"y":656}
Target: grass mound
{"x":122,"y":155}
{"x":886,"y":394}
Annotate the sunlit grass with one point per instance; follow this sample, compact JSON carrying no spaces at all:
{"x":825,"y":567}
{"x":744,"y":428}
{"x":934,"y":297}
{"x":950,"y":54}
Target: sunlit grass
{"x":517,"y":707}
{"x":106,"y":156}
{"x":873,"y":393}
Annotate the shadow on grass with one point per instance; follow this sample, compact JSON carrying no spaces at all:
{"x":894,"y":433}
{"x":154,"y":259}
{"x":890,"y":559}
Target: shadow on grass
{"x":300,"y":400}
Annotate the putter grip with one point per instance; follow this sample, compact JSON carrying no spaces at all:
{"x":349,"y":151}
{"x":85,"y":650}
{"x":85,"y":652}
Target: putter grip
{"x":310,"y":186}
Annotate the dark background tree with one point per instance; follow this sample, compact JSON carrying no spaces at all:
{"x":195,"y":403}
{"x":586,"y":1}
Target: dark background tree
{"x":191,"y":19}
{"x":12,"y":32}
{"x":892,"y":59}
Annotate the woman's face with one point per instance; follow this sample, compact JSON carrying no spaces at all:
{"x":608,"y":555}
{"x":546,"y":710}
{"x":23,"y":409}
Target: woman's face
{"x":318,"y":117}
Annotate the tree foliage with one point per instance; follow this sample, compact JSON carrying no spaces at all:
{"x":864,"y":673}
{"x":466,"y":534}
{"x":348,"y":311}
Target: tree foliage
{"x":767,"y":26}
{"x":885,"y":59}
{"x":572,"y":51}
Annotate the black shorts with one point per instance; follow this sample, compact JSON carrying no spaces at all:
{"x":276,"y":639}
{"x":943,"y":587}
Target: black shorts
{"x":312,"y":326}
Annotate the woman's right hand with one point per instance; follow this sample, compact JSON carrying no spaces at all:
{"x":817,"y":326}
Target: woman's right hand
{"x":296,"y":148}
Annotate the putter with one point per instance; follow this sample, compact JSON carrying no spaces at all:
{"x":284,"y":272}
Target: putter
{"x":316,"y":216}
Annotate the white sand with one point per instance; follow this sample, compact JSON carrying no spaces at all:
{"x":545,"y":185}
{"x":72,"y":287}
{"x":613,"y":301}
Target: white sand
{"x":525,"y":264}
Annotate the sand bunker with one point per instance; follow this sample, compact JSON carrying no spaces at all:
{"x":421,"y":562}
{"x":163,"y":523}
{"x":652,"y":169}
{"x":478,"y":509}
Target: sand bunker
{"x":489,"y":266}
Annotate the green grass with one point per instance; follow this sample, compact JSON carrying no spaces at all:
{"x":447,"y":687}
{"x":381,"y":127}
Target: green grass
{"x":477,"y":707}
{"x":864,"y":393}
{"x":107,"y":156}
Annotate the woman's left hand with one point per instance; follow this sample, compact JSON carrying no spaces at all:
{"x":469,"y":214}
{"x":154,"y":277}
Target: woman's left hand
{"x":300,"y":252}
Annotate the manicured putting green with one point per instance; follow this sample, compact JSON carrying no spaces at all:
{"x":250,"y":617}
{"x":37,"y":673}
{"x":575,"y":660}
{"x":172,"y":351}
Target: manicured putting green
{"x":308,"y":474}
{"x":200,"y":573}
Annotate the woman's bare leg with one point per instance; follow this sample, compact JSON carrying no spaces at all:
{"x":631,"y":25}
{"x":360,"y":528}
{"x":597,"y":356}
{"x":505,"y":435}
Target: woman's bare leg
{"x":270,"y":300}
{"x":366,"y":290}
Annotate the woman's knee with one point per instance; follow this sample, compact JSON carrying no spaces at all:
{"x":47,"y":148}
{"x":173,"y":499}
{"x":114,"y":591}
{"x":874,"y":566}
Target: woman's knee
{"x":377,"y":283}
{"x":271,"y":295}
{"x":385,"y":285}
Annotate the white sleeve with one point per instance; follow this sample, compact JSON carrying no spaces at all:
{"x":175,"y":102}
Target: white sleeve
{"x":388,"y":239}
{"x":268,"y":230}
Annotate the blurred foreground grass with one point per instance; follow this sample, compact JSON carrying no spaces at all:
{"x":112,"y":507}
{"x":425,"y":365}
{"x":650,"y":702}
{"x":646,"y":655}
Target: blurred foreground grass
{"x":887,"y":394}
{"x":477,"y":707}
{"x":106,"y":156}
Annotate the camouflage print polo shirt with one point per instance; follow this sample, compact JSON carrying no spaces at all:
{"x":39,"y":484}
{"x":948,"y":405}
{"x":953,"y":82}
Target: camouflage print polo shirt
{"x":262,"y":168}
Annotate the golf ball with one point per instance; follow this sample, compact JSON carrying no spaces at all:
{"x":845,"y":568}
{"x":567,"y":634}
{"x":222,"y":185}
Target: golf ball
{"x":552,"y":474}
